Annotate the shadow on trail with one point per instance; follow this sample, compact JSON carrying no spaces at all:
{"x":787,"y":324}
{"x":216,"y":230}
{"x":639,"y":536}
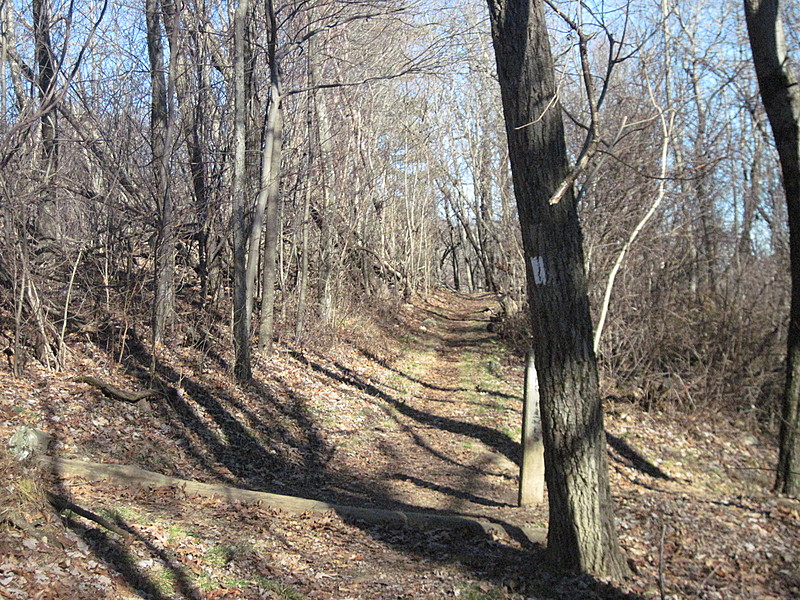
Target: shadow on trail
{"x":498,"y":393}
{"x":115,"y":550}
{"x":474,"y":343}
{"x":432,"y":386}
{"x":389,"y":367}
{"x":449,"y":491}
{"x":238,"y":447}
{"x":114,"y":553}
{"x":444,"y":317}
{"x":521,"y":571}
{"x":491,"y":437}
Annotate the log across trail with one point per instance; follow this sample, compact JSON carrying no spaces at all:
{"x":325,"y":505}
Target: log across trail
{"x":65,"y":468}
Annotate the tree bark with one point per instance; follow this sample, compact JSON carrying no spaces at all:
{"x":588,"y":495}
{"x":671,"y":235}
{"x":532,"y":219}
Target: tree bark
{"x":270,"y":188}
{"x":302,"y":276}
{"x":241,"y":317}
{"x":46,"y":80}
{"x":325,"y":209}
{"x":193,"y":106}
{"x":778,"y":85}
{"x":581,"y":534}
{"x":47,"y":225}
{"x":160,"y":144}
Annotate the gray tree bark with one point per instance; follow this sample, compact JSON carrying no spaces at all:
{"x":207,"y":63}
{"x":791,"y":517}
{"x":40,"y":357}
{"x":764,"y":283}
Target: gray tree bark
{"x":581,"y":534}
{"x":325,"y":207}
{"x":241,"y":317}
{"x":47,"y":225}
{"x":193,"y":106}
{"x":46,"y":80}
{"x":160,"y":143}
{"x":778,"y":85}
{"x":270,"y":188}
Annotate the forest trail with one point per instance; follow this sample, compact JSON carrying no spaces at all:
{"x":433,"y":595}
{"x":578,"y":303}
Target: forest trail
{"x":415,"y":409}
{"x":447,"y":434}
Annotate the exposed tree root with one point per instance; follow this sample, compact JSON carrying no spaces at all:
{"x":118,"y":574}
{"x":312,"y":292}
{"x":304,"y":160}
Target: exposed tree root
{"x":117,"y":393}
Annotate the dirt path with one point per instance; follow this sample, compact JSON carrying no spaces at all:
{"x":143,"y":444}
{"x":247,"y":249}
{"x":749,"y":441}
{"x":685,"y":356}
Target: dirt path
{"x":446,"y":436}
{"x":418,"y":411}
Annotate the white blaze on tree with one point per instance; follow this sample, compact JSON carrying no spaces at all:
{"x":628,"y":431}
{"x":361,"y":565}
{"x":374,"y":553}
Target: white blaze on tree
{"x":581,"y":534}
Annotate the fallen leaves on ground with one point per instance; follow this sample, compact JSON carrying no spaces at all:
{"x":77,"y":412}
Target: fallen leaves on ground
{"x":420,"y":411}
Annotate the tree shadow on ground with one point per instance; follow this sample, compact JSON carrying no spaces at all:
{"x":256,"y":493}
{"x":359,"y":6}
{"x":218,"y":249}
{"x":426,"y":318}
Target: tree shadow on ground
{"x":389,"y":367}
{"x":449,"y":491}
{"x":230,"y":449}
{"x":491,"y":437}
{"x":520,"y":568}
{"x":523,"y":568}
{"x":634,"y":458}
{"x":116,"y":553}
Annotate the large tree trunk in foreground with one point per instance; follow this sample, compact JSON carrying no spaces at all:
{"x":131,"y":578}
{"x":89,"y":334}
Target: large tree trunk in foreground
{"x":581,"y":533}
{"x":781,"y":96}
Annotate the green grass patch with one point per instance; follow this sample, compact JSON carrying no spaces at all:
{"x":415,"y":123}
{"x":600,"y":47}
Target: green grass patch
{"x":164,"y":580}
{"x":124,"y":514}
{"x":474,"y":591}
{"x":282,"y":590}
{"x":223,"y":554}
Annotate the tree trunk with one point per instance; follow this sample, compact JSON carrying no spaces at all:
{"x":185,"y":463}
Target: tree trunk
{"x":325,"y":211}
{"x":302,"y":276}
{"x":160,"y":144}
{"x":46,"y":80}
{"x":241,"y":318}
{"x":778,"y":85}
{"x":270,"y":190}
{"x":531,"y":473}
{"x":192,"y":104}
{"x":47,"y":224}
{"x":581,"y":535}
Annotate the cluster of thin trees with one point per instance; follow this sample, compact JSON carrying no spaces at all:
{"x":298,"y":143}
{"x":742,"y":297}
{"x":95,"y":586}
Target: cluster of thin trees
{"x":287,"y":157}
{"x":185,"y":169}
{"x":254,"y":155}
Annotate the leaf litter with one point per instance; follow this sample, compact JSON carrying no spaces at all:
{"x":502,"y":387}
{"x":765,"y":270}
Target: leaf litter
{"x":419,"y":411}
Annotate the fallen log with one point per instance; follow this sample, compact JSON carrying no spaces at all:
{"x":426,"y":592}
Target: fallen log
{"x":129,"y":475}
{"x":116,"y":393}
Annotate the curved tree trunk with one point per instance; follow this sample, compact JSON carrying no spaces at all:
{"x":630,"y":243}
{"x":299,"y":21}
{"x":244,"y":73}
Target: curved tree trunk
{"x":781,"y":96}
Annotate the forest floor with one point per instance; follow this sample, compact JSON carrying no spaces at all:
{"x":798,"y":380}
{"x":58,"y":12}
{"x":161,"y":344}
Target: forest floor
{"x":418,"y":410}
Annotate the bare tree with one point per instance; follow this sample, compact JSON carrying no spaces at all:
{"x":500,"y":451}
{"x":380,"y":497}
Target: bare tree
{"x":239,"y":226}
{"x":162,"y":130}
{"x":269,"y":196}
{"x":779,"y":92}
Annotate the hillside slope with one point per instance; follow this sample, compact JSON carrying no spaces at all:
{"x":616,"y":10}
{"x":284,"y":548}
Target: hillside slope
{"x":416,"y":410}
